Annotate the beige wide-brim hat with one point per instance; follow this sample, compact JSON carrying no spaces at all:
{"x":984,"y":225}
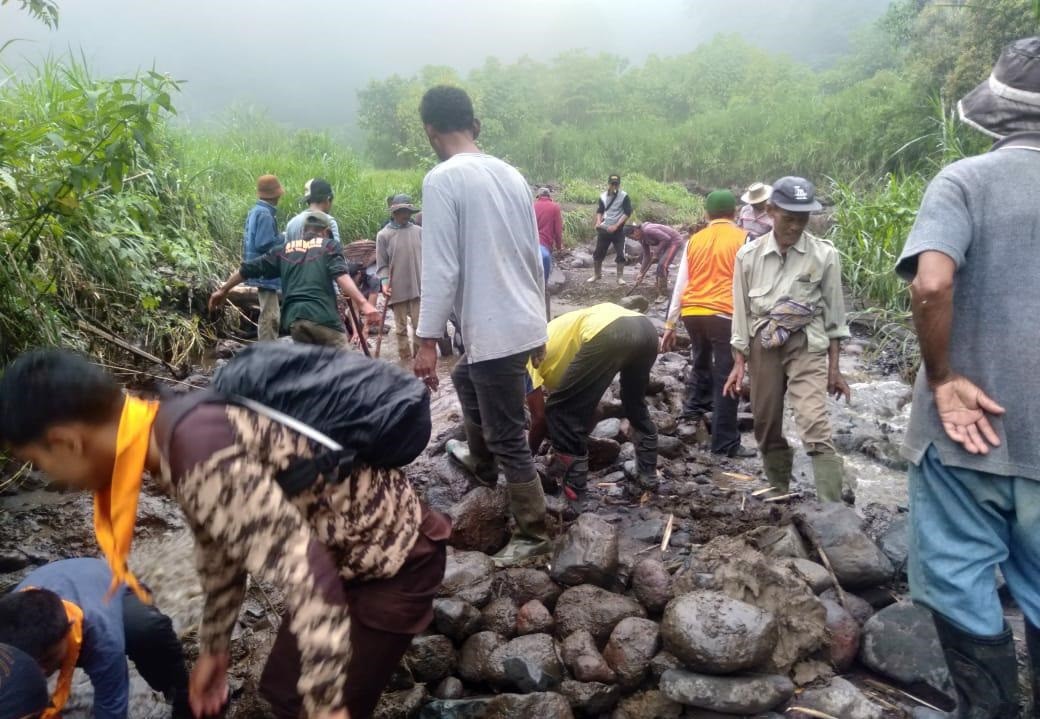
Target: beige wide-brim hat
{"x":756,"y":193}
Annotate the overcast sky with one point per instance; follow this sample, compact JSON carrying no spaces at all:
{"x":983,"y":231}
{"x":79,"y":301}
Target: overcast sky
{"x":279,"y":55}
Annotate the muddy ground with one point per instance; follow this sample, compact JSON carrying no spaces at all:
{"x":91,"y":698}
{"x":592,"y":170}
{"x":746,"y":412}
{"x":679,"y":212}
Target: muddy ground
{"x":705,"y":496}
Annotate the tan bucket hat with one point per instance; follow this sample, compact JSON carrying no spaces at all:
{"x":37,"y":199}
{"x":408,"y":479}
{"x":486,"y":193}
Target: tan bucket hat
{"x":756,"y":193}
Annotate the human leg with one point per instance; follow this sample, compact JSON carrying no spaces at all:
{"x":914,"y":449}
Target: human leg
{"x":404,"y":347}
{"x":640,"y":342}
{"x":474,"y":455}
{"x":618,"y":240}
{"x":270,"y":315}
{"x":725,"y":437}
{"x":768,"y":388}
{"x":603,"y":242}
{"x":699,"y":383}
{"x":807,"y":391}
{"x":156,"y":651}
{"x":307,"y":332}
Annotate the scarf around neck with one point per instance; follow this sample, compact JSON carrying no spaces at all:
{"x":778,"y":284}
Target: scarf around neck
{"x":115,"y":506}
{"x":63,"y":687}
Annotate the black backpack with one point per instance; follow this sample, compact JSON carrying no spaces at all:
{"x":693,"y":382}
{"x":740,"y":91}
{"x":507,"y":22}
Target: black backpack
{"x":358,"y":409}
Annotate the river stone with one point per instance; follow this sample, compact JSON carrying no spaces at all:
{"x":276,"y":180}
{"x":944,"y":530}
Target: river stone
{"x":733,"y":695}
{"x":400,"y":704}
{"x":860,"y":609}
{"x":583,"y":659}
{"x":431,"y":658}
{"x":644,"y":705}
{"x":632,"y":645}
{"x":524,"y":584}
{"x":652,"y":584}
{"x":636,"y":303}
{"x":475,"y":656}
{"x":534,"y":618}
{"x":844,"y":636}
{"x":857,"y":561}
{"x":456,"y":618}
{"x":593,"y":609}
{"x":608,"y":429}
{"x":841,"y":699}
{"x":900,"y":642}
{"x":662,"y":662}
{"x":467,"y":576}
{"x":581,"y":260}
{"x":712,"y":633}
{"x":590,"y":698}
{"x":667,"y":423}
{"x":587,"y":553}
{"x":529,"y":664}
{"x":895,"y":543}
{"x":603,"y":453}
{"x":815,"y":575}
{"x":480,"y":520}
{"x":670,"y":447}
{"x":782,"y":541}
{"x":499,"y":616}
{"x":542,"y":705}
{"x":449,"y":688}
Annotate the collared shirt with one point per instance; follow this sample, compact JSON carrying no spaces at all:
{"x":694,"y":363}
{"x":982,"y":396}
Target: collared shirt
{"x":550,"y":223}
{"x":259,"y":238}
{"x":810,"y":273}
{"x":756,"y":223}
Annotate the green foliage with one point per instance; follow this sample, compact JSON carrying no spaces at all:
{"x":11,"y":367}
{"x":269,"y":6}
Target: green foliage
{"x":45,"y":11}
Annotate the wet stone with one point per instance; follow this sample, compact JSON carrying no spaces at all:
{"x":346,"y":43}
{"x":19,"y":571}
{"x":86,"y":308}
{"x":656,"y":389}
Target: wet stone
{"x":590,"y":698}
{"x":652,"y":703}
{"x":670,"y":447}
{"x":782,"y":541}
{"x":527,"y":664}
{"x":731,"y":694}
{"x":449,"y":688}
{"x":534,"y":618}
{"x":480,"y":521}
{"x":632,"y":645}
{"x":587,"y":553}
{"x":815,"y":575}
{"x":857,"y":561}
{"x":841,"y":699}
{"x":593,"y":609}
{"x":901,"y":643}
{"x":712,"y":633}
{"x":607,"y":429}
{"x":499,"y":616}
{"x":651,"y":584}
{"x":475,"y":657}
{"x":467,"y":576}
{"x":431,"y":658}
{"x":603,"y":453}
{"x":895,"y":543}
{"x":543,"y":705}
{"x":584,"y":661}
{"x":859,"y":608}
{"x":524,"y":584}
{"x":843,"y":633}
{"x":400,"y":704}
{"x":456,"y":618}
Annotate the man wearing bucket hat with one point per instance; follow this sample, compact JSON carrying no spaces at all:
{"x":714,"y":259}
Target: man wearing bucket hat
{"x":788,"y":323}
{"x":399,"y":266}
{"x":318,"y":195}
{"x":973,"y":440}
{"x":754,"y":215}
{"x":613,"y":211}
{"x":259,"y":238}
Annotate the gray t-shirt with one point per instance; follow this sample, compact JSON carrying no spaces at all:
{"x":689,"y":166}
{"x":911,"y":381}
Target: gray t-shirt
{"x":984,"y":214}
{"x":294,"y":228}
{"x":481,"y":257}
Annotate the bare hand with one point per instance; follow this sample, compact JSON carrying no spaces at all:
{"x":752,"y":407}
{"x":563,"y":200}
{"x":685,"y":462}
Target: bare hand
{"x":612,"y":229}
{"x":537,"y":357}
{"x":425,"y":366}
{"x":667,"y":341}
{"x":735,"y":382}
{"x":208,"y":687}
{"x":372,"y":315}
{"x":962,"y":410}
{"x":216,"y":300}
{"x":387,"y":291}
{"x":837,"y":387}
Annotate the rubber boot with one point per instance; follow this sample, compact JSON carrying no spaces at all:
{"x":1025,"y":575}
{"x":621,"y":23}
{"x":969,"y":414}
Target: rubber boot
{"x":984,"y":671}
{"x":1033,"y":643}
{"x":474,"y":455}
{"x":646,"y":459}
{"x":777,"y":464}
{"x":621,"y":274}
{"x":531,"y":537}
{"x":572,"y":474}
{"x":829,"y":473}
{"x":597,"y":272}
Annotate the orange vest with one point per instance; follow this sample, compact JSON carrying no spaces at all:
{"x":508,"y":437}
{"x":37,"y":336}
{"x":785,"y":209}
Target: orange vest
{"x":710,"y":255}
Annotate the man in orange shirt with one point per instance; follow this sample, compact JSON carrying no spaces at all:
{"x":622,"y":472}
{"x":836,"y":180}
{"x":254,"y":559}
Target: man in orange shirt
{"x":703,"y":296}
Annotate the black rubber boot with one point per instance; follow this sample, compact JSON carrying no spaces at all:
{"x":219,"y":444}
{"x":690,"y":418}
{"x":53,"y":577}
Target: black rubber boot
{"x":474,"y":455}
{"x":1033,"y":643}
{"x":984,"y":671}
{"x":571,"y":473}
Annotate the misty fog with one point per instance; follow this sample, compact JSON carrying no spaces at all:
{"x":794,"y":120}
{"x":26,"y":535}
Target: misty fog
{"x":303,"y":61}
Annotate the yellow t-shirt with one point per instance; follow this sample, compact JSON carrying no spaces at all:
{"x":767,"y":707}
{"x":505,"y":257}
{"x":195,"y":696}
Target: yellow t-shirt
{"x":567,"y":333}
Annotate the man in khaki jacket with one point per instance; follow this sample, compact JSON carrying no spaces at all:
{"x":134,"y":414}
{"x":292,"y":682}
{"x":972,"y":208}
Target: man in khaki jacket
{"x":788,"y":323}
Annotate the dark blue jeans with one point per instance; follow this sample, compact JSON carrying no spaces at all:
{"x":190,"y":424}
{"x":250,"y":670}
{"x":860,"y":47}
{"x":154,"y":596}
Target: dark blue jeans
{"x":712,"y":363}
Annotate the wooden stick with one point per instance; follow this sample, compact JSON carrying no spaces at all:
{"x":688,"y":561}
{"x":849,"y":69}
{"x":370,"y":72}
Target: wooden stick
{"x":842,"y":599}
{"x":667,"y":533}
{"x":382,"y":325}
{"x":760,"y":492}
{"x":782,"y":497}
{"x":741,"y":477}
{"x":889,"y":688}
{"x":743,"y":502}
{"x":123,"y":344}
{"x":811,"y":712}
{"x":355,"y":318}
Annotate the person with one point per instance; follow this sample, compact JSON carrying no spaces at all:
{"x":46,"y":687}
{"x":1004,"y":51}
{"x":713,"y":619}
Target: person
{"x":754,"y":216}
{"x":399,"y":266}
{"x":587,"y":349}
{"x":260,"y":237}
{"x":358,"y":556}
{"x":972,"y":437}
{"x":23,"y":688}
{"x":307,"y":268}
{"x":788,"y":323}
{"x":481,"y":258}
{"x":612,"y":212}
{"x":65,"y":615}
{"x":703,"y":297}
{"x":661,"y":243}
{"x":318,"y":195}
{"x":550,"y":221}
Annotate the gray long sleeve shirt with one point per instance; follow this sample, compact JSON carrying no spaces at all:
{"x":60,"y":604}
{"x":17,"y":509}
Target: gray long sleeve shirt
{"x":481,"y":257}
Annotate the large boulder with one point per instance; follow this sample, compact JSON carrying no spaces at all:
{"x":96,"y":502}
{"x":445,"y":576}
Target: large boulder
{"x":732,"y":695}
{"x":900,"y":642}
{"x":499,"y":616}
{"x":584,"y":661}
{"x":544,"y":705}
{"x":652,"y":584}
{"x":475,"y":657}
{"x":783,"y":541}
{"x":467,"y":576}
{"x":480,"y":520}
{"x":603,"y":453}
{"x":895,"y":543}
{"x":632,"y":645}
{"x":587,"y":553}
{"x":670,"y":447}
{"x":590,"y":698}
{"x":528,"y":664}
{"x":715,"y":634}
{"x":534,"y":618}
{"x":857,"y":562}
{"x":455,"y":618}
{"x":593,"y":609}
{"x":815,"y":575}
{"x":844,"y":636}
{"x":431,"y":658}
{"x":607,"y":429}
{"x":840,"y":699}
{"x":525,"y":584}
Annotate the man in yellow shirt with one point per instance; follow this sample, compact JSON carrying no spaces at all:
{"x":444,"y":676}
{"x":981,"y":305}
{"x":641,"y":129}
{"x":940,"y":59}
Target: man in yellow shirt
{"x":587,"y":348}
{"x":703,"y":295}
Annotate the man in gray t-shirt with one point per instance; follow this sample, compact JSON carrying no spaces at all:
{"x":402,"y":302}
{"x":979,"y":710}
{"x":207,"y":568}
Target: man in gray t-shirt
{"x":974,"y":438}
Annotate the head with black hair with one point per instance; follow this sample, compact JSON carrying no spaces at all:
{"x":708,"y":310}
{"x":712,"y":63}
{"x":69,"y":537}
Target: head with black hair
{"x":447,"y":115}
{"x":35,"y":622}
{"x":61,"y":412}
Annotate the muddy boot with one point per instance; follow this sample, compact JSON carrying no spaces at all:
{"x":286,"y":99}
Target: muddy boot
{"x":984,"y":671}
{"x":531,"y":536}
{"x":829,"y":473}
{"x":646,"y":460}
{"x":404,"y":347}
{"x":777,"y":465}
{"x":597,"y":272}
{"x":572,"y":474}
{"x":474,"y":455}
{"x":1033,"y":643}
{"x":621,"y":274}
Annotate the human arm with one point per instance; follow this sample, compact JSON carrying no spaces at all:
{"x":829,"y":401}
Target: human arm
{"x":441,"y":267}
{"x":682,"y":278}
{"x":539,"y":427}
{"x":836,"y":384}
{"x":557,"y":228}
{"x":600,"y":209}
{"x":340,"y":273}
{"x":834,"y":323}
{"x":383,"y":262}
{"x":265,"y":234}
{"x":735,"y":382}
{"x":740,"y":338}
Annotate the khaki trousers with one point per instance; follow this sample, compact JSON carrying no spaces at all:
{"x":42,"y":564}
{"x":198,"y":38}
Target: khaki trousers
{"x":270,"y":316}
{"x":791,"y":371}
{"x":403,"y":311}
{"x":312,"y":333}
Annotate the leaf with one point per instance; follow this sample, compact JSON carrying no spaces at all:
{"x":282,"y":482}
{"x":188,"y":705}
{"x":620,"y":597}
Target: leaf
{"x":7,"y":179}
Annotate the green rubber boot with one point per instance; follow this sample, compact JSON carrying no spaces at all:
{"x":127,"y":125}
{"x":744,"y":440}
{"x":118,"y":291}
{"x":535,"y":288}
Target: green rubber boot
{"x":531,"y":537}
{"x":777,"y":464}
{"x":621,"y":274}
{"x":829,"y":473}
{"x":474,"y":455}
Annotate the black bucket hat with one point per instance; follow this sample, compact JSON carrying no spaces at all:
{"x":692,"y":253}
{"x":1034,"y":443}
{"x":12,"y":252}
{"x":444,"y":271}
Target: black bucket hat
{"x":1009,"y":100}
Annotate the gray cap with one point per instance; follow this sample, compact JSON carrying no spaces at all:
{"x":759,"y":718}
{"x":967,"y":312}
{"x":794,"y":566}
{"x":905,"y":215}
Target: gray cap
{"x":317,"y":219}
{"x":795,"y":194}
{"x":402,"y":202}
